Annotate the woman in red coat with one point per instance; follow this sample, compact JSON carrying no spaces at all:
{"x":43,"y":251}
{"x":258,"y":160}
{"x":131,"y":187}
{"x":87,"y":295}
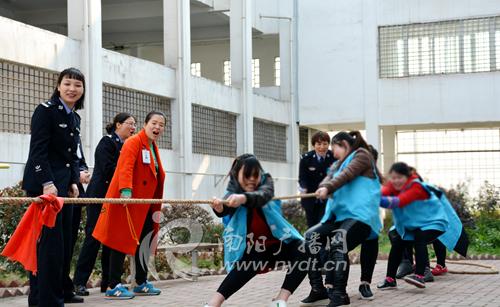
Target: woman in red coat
{"x":139,"y":174}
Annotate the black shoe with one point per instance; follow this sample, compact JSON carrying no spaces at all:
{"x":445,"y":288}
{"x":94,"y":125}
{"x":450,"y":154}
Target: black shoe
{"x":315,"y":298}
{"x":415,"y":280}
{"x":404,"y":268}
{"x":366,"y":292}
{"x":74,"y":299}
{"x":387,"y":285}
{"x":428,"y":277}
{"x":338,"y":299}
{"x":81,"y":291}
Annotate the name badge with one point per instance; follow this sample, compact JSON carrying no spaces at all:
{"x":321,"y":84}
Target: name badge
{"x":146,"y":157}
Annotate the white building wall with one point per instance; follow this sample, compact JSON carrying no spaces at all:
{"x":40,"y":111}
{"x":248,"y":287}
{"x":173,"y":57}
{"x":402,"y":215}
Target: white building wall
{"x":55,"y":52}
{"x":333,"y":78}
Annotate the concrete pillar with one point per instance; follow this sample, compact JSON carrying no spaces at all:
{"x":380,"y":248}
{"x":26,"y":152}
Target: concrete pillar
{"x":389,"y":146}
{"x":286,"y":47}
{"x":370,"y":73}
{"x":241,"y":69}
{"x":85,"y":24}
{"x":177,"y":54}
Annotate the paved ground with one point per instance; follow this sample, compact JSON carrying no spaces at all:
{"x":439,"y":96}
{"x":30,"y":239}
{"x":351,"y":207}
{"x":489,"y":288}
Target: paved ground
{"x":448,"y":290}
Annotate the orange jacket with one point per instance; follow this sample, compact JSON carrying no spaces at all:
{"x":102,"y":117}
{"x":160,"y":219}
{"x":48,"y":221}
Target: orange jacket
{"x":23,"y":243}
{"x":114,"y":228}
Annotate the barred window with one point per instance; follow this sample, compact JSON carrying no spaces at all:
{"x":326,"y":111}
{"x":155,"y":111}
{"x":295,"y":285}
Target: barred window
{"x":453,"y":156}
{"x":22,"y":88}
{"x":139,"y":104}
{"x":303,"y":140}
{"x":455,"y":46}
{"x":269,"y":140}
{"x":214,"y":131}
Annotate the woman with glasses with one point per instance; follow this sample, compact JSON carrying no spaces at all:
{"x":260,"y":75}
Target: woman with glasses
{"x":106,"y":157}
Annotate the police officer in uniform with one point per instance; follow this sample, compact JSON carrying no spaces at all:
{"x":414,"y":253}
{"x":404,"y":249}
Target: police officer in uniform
{"x":53,"y":168}
{"x":313,"y":169}
{"x":106,"y":157}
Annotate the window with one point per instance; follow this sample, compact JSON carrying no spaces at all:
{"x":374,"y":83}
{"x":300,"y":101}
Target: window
{"x":450,"y":157}
{"x":196,"y":69}
{"x":277,"y":71}
{"x":117,"y":99}
{"x":227,"y":73}
{"x":214,"y":131}
{"x":269,"y":140}
{"x":255,"y":73}
{"x":456,"y":46}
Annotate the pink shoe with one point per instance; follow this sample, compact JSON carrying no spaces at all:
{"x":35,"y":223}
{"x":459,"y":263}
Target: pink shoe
{"x":439,"y":270}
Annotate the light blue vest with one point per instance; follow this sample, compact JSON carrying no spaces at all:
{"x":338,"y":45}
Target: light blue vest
{"x":426,"y":214}
{"x":358,"y":199}
{"x":235,"y":231}
{"x":452,"y":233}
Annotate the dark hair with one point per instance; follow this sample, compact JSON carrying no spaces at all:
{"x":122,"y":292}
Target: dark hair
{"x":70,"y":73}
{"x":401,"y":168}
{"x":319,"y":137}
{"x":374,"y":152}
{"x":251,"y":164}
{"x":413,"y":171}
{"x":353,"y":138}
{"x":119,"y":118}
{"x":150,"y":114}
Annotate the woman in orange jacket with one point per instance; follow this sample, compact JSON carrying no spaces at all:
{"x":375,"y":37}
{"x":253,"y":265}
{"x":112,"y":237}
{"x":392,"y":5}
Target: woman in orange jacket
{"x":139,"y":174}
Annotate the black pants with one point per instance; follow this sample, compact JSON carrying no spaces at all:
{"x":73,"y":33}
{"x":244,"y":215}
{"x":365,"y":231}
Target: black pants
{"x":315,"y":209}
{"x":52,"y":283}
{"x":368,"y":259}
{"x":340,"y":238}
{"x":422,"y":238}
{"x":251,"y":263}
{"x":440,"y":251}
{"x":116,"y":258}
{"x":90,"y":249}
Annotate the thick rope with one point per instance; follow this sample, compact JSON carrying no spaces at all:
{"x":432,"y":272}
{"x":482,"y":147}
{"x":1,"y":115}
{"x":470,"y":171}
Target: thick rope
{"x":492,"y":269}
{"x":122,"y":201}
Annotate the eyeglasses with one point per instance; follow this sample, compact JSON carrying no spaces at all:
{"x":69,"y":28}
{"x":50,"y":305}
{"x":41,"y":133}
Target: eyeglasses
{"x":131,"y":124}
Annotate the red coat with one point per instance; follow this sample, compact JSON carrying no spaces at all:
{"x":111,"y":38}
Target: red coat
{"x":113,"y":228}
{"x":411,"y":192}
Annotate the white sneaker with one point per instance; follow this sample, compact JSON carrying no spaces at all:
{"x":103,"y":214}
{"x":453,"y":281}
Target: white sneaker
{"x":278,"y":303}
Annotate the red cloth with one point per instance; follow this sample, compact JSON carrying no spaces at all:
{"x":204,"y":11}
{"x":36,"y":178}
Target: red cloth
{"x":259,"y":228}
{"x":22,"y":245}
{"x":411,"y":192}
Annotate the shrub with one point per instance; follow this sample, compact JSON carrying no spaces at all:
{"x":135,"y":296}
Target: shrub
{"x":10,"y":216}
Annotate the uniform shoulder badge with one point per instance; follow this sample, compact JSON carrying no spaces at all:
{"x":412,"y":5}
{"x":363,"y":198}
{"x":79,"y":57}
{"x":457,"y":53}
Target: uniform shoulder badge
{"x":47,"y":104}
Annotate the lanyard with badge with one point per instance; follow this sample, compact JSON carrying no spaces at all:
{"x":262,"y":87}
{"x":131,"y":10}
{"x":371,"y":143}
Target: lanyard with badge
{"x":146,"y":156}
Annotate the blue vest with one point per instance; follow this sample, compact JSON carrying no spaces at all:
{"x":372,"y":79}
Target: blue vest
{"x":358,"y":199}
{"x":421,"y":214}
{"x":452,"y":233}
{"x":235,"y":231}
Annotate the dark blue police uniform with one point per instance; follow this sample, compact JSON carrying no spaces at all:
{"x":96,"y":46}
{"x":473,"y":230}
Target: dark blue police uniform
{"x":312,"y":170}
{"x":106,"y":157}
{"x":55,"y":135}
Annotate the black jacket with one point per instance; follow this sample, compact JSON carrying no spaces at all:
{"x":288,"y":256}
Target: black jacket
{"x":55,"y":136}
{"x":312,"y":172}
{"x":256,"y":199}
{"x":106,"y":156}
